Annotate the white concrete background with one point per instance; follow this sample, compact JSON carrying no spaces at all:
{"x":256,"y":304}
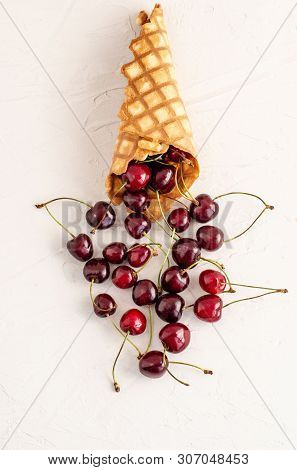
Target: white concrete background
{"x":60,"y":90}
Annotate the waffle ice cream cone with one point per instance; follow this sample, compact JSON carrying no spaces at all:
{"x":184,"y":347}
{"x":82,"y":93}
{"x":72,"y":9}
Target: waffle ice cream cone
{"x":153,"y":115}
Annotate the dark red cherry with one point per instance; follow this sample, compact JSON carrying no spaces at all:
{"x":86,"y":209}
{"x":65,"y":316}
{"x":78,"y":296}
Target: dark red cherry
{"x":138,"y":255}
{"x":175,"y":337}
{"x":133,"y":321}
{"x":210,"y":238}
{"x":163,"y":177}
{"x":137,"y":225}
{"x":124,"y":277}
{"x":206,"y":210}
{"x":153,"y":365}
{"x":101,"y":212}
{"x":144,"y":292}
{"x":169,"y":307}
{"x":179,"y":219}
{"x":186,"y":252}
{"x":115,"y":252}
{"x":138,"y":201}
{"x":212,"y":281}
{"x":96,"y":269}
{"x":208,"y":308}
{"x":175,"y":280}
{"x":104,"y":305}
{"x":137,"y":176}
{"x":176,"y":155}
{"x":81,"y":247}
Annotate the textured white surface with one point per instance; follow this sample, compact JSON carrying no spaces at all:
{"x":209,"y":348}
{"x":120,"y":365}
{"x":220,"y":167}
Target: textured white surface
{"x":60,"y":90}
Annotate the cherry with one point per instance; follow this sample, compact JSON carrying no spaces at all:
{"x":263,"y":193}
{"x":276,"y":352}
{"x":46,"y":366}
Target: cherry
{"x":179,"y":219}
{"x":153,"y":365}
{"x":137,"y":176}
{"x":138,"y":255}
{"x":210,"y":238}
{"x":175,"y":280}
{"x":101,"y":215}
{"x":175,"y":337}
{"x":138,"y":201}
{"x":208,"y":308}
{"x":115,"y":252}
{"x":104,"y":305}
{"x":176,"y":155}
{"x":124,"y":277}
{"x":81,"y":247}
{"x":137,"y":225}
{"x":133,"y":321}
{"x":144,"y":292}
{"x":96,"y":270}
{"x":163,"y":177}
{"x":206,"y":210}
{"x":212,"y":281}
{"x":186,"y":252}
{"x":169,"y":307}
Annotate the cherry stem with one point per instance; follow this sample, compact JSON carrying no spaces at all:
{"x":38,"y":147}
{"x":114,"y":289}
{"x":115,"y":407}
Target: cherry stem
{"x":93,"y":301}
{"x":144,"y":244}
{"x":157,"y":244}
{"x":267,"y":206}
{"x":186,"y":187}
{"x":115,"y":383}
{"x":164,"y":357}
{"x":166,"y":258}
{"x":150,"y":329}
{"x":162,"y":212}
{"x":107,"y":209}
{"x":253,"y":287}
{"x":181,"y":192}
{"x":205,"y":371}
{"x":283,"y":291}
{"x":128,"y":339}
{"x":153,"y":159}
{"x":221,"y":268}
{"x":39,"y":206}
{"x":157,"y":222}
{"x":59,"y":223}
{"x":175,"y":200}
{"x":178,"y":380}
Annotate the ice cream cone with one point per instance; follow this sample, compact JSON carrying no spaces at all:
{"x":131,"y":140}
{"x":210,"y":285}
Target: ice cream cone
{"x":153,"y":115}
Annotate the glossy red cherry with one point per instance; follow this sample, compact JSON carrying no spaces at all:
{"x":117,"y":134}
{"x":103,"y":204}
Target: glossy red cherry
{"x":175,"y":280}
{"x":208,"y":308}
{"x":144,"y":292}
{"x":210,"y":238}
{"x":169,"y":307}
{"x":186,"y":252}
{"x":81,"y":247}
{"x":153,"y":365}
{"x":101,"y":212}
{"x":176,"y":155}
{"x":115,"y":252}
{"x":138,"y":201}
{"x":206,"y":210}
{"x":175,"y":337}
{"x":179,"y":219}
{"x":104,"y":305}
{"x":137,"y":225}
{"x":133,"y":321}
{"x":212,"y":281}
{"x":124,"y":277}
{"x":138,"y":255}
{"x":163,"y":177}
{"x":137,"y":176}
{"x":96,"y":269}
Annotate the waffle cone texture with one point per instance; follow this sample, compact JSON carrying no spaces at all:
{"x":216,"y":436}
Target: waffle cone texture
{"x":152,"y":115}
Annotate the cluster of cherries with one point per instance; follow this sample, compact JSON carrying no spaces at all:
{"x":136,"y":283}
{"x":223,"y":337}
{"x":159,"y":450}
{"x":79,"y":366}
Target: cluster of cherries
{"x":160,"y":174}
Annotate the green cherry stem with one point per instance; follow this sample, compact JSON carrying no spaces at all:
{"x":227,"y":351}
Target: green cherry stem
{"x":266,"y":206}
{"x":186,"y":187}
{"x":282,"y":291}
{"x":115,"y":382}
{"x":166,"y":258}
{"x":150,"y":329}
{"x":128,"y":339}
{"x":221,"y":268}
{"x":57,"y":221}
{"x":176,"y":200}
{"x":205,"y":371}
{"x":157,"y":244}
{"x":157,"y":222}
{"x":39,"y":206}
{"x":254,"y":287}
{"x":162,"y":213}
{"x":178,"y":380}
